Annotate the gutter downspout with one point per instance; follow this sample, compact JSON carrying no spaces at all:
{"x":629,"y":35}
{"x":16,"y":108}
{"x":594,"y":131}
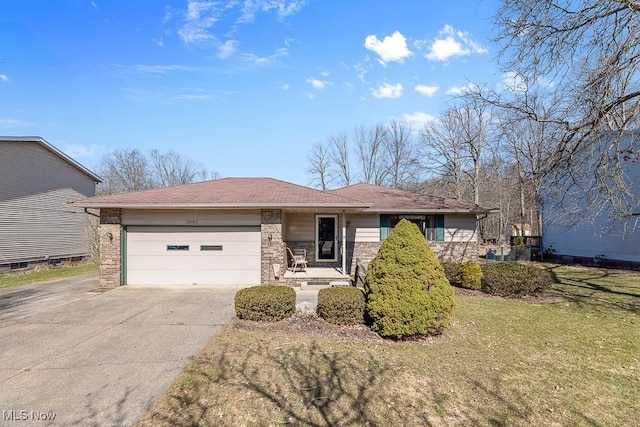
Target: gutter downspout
{"x":86,"y":210}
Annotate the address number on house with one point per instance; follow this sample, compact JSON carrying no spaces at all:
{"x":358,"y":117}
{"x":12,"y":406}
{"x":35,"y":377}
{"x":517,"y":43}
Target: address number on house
{"x":192,"y":221}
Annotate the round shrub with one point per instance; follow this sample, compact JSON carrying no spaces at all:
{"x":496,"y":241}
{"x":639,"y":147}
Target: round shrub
{"x":341,"y":305}
{"x":265,"y":303}
{"x":518,"y":241}
{"x":514,"y":279}
{"x":471,"y":275}
{"x":408,"y":294}
{"x":453,"y":271}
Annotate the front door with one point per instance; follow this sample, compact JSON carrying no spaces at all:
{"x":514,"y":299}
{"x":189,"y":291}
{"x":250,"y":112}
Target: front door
{"x":326,"y":237}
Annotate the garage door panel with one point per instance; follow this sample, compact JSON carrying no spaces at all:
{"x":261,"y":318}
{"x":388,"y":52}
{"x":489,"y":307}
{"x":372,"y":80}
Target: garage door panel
{"x":155,"y":277}
{"x":233,"y":256}
{"x":196,"y":262}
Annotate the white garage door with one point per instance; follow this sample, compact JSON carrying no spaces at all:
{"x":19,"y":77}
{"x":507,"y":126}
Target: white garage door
{"x":188,"y":255}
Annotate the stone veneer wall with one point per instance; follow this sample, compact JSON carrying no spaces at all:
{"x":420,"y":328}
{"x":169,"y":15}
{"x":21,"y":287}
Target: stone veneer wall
{"x":273,"y":248}
{"x":455,"y":251}
{"x":444,"y":251}
{"x":110,"y":247}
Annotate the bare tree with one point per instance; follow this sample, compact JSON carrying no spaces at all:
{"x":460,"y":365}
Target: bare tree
{"x":124,"y":170}
{"x":473,"y":120}
{"x":171,"y":168}
{"x":130,"y":170}
{"x":319,"y":166}
{"x":445,"y":152}
{"x":401,"y":152}
{"x":371,"y":144}
{"x":585,"y":57}
{"x":339,"y":156}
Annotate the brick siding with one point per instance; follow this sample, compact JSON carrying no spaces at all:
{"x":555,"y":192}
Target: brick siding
{"x":110,"y":248}
{"x":272,"y":248}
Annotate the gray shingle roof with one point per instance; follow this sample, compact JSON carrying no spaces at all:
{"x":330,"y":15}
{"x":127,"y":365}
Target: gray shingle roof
{"x":226,"y":193}
{"x":385,"y":199}
{"x":269,"y":192}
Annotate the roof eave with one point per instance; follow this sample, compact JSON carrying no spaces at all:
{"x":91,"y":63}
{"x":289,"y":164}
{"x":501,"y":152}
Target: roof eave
{"x":427,"y":211}
{"x":82,"y":204}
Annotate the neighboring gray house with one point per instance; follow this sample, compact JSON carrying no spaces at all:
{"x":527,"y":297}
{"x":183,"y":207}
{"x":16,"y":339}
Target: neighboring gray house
{"x":36,"y":182}
{"x":236,"y":231}
{"x":599,"y":236}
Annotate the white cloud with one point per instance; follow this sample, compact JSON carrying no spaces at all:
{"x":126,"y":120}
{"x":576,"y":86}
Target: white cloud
{"x":284,"y":86}
{"x":391,"y":48}
{"x":425,"y":90}
{"x":453,"y":43}
{"x":264,"y":60}
{"x":283,"y":9}
{"x":159,"y":42}
{"x":94,"y":4}
{"x":199,"y":17}
{"x":514,"y":82}
{"x":460,"y":90}
{"x":4,"y":78}
{"x":157,"y":69}
{"x":317,"y":84}
{"x":418,"y":119}
{"x":12,"y":123}
{"x":81,"y":150}
{"x":228,"y":48}
{"x":361,"y":73}
{"x":388,"y":91}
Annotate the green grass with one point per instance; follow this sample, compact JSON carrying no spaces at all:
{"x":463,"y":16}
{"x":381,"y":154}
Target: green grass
{"x":570,"y":358}
{"x":10,"y":280}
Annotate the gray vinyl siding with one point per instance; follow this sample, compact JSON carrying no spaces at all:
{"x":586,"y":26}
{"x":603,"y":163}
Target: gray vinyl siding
{"x":35,"y":222}
{"x":598,"y":235}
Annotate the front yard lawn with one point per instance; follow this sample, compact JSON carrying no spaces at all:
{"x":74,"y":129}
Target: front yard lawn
{"x":18,"y":278}
{"x":570,"y":357}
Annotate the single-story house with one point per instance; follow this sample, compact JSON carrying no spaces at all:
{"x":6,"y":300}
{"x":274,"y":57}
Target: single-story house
{"x":237,"y":230}
{"x":36,"y":222}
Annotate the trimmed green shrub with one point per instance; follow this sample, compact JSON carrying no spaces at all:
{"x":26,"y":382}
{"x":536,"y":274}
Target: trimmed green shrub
{"x":408,"y":294}
{"x":514,"y":279}
{"x":265,"y":303}
{"x":341,"y":305}
{"x":518,"y":241}
{"x":453,"y":271}
{"x":471,"y":275}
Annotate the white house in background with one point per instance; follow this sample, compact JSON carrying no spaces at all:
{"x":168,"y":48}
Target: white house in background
{"x":36,"y":182}
{"x":604,"y":237}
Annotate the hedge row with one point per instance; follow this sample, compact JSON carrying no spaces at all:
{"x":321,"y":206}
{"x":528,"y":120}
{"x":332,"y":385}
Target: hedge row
{"x":508,"y":279}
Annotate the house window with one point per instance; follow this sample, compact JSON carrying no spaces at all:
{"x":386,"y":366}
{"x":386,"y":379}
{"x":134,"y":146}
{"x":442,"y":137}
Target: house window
{"x":210,"y":247}
{"x":177,"y":247}
{"x":431,"y":226}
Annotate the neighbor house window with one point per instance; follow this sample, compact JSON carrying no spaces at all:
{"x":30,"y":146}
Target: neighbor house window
{"x":431,"y":226}
{"x":177,"y":247}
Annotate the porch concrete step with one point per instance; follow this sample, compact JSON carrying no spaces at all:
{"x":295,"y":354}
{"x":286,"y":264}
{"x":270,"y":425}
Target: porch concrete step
{"x":321,"y":284}
{"x":315,"y":284}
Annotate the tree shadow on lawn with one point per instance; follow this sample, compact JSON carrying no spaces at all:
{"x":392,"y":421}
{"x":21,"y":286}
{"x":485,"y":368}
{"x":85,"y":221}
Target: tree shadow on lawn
{"x":512,"y":407}
{"x":587,"y":290}
{"x":319,"y":388}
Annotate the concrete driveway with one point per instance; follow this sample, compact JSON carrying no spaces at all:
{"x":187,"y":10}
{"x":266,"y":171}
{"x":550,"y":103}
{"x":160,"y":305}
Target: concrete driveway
{"x":98,"y":358}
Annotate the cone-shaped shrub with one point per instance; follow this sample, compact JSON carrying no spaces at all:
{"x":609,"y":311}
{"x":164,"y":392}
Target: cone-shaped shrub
{"x":408,"y":294}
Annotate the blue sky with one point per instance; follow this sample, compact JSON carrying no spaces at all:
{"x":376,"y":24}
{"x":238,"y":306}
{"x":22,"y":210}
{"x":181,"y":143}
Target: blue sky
{"x":244,"y":86}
